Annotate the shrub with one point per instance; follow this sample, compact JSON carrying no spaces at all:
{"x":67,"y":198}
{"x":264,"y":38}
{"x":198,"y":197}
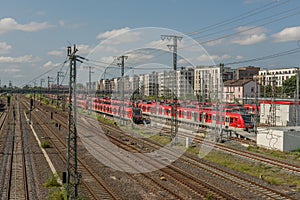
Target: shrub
{"x":45,"y":144}
{"x":52,"y":182}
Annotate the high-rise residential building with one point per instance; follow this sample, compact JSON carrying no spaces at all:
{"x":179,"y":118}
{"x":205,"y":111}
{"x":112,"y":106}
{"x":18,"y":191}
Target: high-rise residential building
{"x":207,"y":82}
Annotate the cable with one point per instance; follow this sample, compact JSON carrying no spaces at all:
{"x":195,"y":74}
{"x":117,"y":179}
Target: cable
{"x":261,"y":19}
{"x":39,"y":76}
{"x":239,"y":17}
{"x":284,"y":53}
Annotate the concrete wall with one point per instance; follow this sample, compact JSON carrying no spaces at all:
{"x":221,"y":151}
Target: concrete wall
{"x":282,"y":139}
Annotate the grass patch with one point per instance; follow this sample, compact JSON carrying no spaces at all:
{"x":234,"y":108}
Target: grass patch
{"x":105,"y":120}
{"x":285,"y":156}
{"x":161,"y":139}
{"x":57,"y":194}
{"x":271,"y":175}
{"x":52,"y":182}
{"x":45,"y":144}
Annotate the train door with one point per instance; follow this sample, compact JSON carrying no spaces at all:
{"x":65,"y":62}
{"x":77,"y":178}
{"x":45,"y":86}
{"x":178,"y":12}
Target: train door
{"x":214,"y":119}
{"x":184,"y":114}
{"x":203,"y":117}
{"x":195,"y":116}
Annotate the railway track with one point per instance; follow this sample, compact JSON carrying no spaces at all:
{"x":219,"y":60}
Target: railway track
{"x":15,"y":162}
{"x":258,"y":189}
{"x":94,"y":184}
{"x":262,"y":191}
{"x":292,"y":168}
{"x":198,"y":187}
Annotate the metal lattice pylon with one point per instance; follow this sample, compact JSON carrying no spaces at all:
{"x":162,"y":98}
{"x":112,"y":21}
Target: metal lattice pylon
{"x":73,"y":176}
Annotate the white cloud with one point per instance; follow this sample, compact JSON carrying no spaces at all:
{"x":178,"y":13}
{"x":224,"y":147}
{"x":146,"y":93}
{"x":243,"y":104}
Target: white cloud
{"x":40,"y":13}
{"x":209,"y":58}
{"x":238,"y":57}
{"x":250,"y":39}
{"x":182,"y":61}
{"x":21,"y":59}
{"x":61,"y":22}
{"x":214,"y":43}
{"x":4,"y":47}
{"x":62,"y":52}
{"x":157,"y":44}
{"x":84,"y":49}
{"x":288,"y":34}
{"x":10,"y":70}
{"x":249,"y":35}
{"x":115,"y":32}
{"x":58,"y":53}
{"x":138,"y":57}
{"x":10,"y":24}
{"x":108,"y":59}
{"x":119,"y":36}
{"x":50,"y":64}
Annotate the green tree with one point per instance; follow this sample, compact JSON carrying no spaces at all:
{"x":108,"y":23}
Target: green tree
{"x":289,"y":87}
{"x":268,"y":92}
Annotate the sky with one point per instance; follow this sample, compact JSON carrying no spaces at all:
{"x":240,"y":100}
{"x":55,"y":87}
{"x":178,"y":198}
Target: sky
{"x":34,"y":35}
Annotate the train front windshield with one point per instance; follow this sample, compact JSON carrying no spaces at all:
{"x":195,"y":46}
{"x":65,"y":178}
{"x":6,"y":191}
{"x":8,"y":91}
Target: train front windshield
{"x":137,"y":112}
{"x":247,"y":119}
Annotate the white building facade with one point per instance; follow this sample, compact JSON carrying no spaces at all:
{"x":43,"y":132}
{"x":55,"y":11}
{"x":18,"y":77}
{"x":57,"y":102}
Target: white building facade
{"x":207,"y":82}
{"x":237,"y":90}
{"x":277,"y":76}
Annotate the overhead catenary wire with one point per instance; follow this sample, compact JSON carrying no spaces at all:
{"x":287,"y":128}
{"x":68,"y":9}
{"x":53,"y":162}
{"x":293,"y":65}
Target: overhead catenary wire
{"x":41,"y":75}
{"x":242,"y":16}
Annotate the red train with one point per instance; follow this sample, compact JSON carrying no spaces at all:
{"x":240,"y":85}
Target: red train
{"x":233,"y":116}
{"x":112,"y":109}
{"x":205,"y":116}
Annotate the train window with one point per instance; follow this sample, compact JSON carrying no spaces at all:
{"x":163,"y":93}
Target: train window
{"x":246,"y":118}
{"x":195,"y":116}
{"x":189,"y":114}
{"x":231,"y":120}
{"x":226,"y":119}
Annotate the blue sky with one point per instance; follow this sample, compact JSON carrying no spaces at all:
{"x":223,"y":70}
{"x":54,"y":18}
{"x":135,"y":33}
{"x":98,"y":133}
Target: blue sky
{"x":34,"y":34}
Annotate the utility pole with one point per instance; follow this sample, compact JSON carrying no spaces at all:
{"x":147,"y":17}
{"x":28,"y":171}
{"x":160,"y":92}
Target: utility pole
{"x":221,"y":100}
{"x":41,"y":85}
{"x":89,"y":87}
{"x":174,"y":120}
{"x":90,"y":79}
{"x":273,"y":105}
{"x":59,"y":74}
{"x":73,"y":177}
{"x":256,"y":107}
{"x":50,"y":80}
{"x":297,"y":98}
{"x":122,"y":64}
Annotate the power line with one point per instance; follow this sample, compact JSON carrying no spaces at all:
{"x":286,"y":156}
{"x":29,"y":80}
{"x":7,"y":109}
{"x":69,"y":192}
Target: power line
{"x":261,"y":19}
{"x":284,"y":53}
{"x":39,"y":76}
{"x":239,"y":17}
